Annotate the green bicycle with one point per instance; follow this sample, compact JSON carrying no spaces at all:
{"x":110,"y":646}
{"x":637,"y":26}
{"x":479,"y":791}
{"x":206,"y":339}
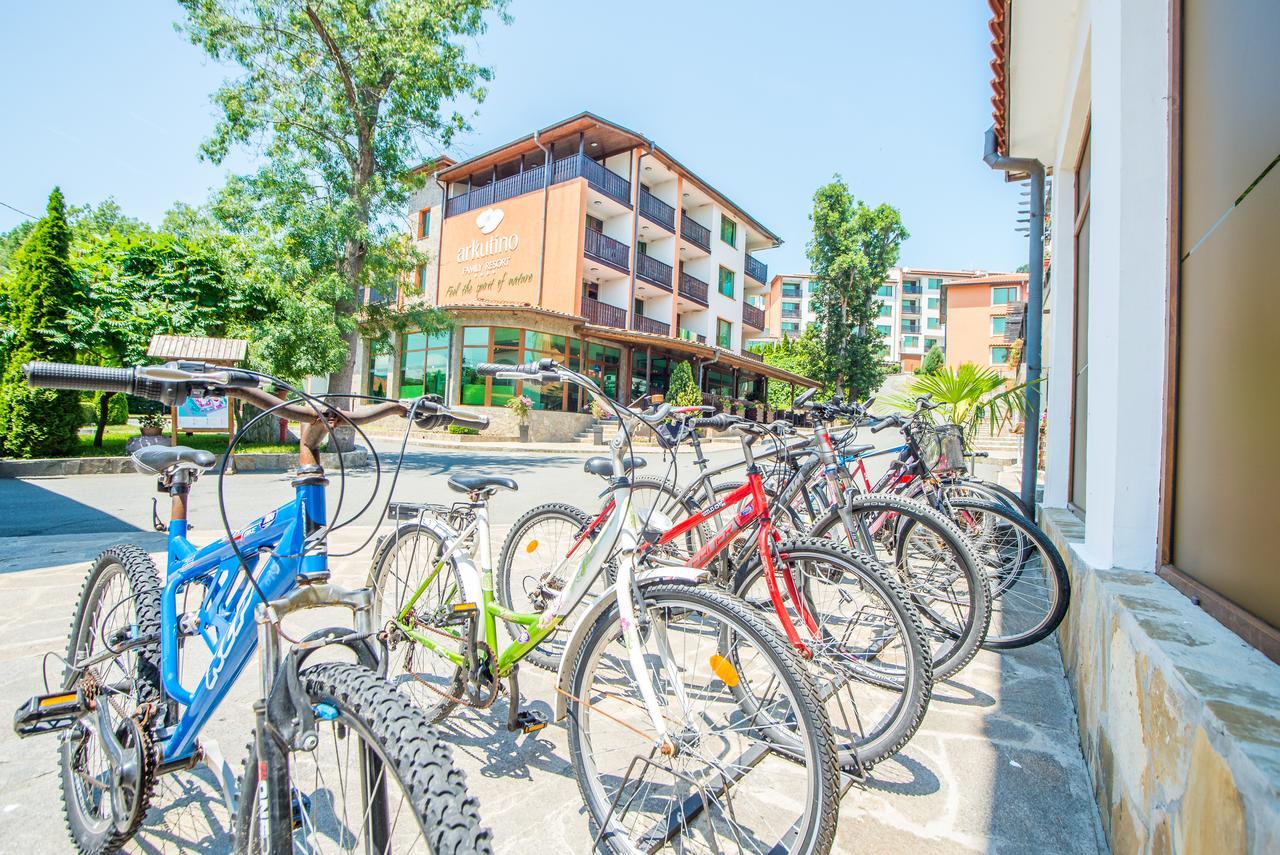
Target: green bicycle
{"x":688,"y":714}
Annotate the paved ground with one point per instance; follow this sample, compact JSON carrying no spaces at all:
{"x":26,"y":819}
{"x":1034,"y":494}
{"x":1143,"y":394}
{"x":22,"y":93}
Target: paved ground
{"x":996,"y":766}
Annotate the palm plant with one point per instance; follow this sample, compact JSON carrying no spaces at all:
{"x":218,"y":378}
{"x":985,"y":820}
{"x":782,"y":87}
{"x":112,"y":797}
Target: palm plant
{"x":969,"y":395}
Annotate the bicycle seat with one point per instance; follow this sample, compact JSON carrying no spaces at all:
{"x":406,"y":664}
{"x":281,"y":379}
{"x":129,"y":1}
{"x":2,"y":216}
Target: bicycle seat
{"x":603,"y":466}
{"x":157,"y":458}
{"x":488,"y":484}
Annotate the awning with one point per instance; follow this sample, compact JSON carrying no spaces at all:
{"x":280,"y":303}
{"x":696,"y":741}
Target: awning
{"x":225,"y":351}
{"x":706,"y":352}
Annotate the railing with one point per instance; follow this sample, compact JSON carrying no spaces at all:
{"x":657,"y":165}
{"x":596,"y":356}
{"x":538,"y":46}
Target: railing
{"x":693,"y":288}
{"x":695,"y":232}
{"x":657,"y":211}
{"x":791,"y":292}
{"x":911,"y":289}
{"x":911,"y":328}
{"x":757,"y":270}
{"x":690,"y":335}
{"x":566,"y":169}
{"x":751,"y":354}
{"x":653,"y":271}
{"x":910,"y":308}
{"x":640,"y":323}
{"x":795,"y":316}
{"x":752,"y":316}
{"x":612,"y":252}
{"x":603,"y":314}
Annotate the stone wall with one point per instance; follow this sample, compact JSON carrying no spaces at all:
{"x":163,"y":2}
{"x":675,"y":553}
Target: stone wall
{"x":1179,"y":719}
{"x":544,"y":426}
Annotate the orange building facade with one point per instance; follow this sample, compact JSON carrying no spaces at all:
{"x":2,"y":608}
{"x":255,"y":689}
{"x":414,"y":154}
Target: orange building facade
{"x":982,"y":320}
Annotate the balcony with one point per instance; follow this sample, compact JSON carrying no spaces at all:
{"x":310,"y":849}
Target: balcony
{"x":689,"y":335}
{"x":790,"y":316}
{"x":757,"y":270}
{"x":911,"y":288}
{"x":910,"y":308}
{"x":695,"y":233}
{"x":566,"y":169}
{"x":653,"y":271}
{"x":657,"y":211}
{"x":606,"y":250}
{"x":640,"y":323}
{"x":791,"y":292}
{"x":752,"y":317}
{"x":752,"y":355}
{"x":910,"y":328}
{"x":693,"y":288}
{"x":603,"y":314}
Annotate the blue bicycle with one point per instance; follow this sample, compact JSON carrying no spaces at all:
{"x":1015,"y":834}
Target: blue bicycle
{"x":338,"y":761}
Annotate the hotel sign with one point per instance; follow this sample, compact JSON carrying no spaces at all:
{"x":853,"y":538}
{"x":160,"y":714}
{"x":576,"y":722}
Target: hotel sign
{"x":485,"y":258}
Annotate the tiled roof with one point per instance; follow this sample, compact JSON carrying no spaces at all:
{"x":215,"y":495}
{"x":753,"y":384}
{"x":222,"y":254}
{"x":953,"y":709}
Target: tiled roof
{"x":991,"y":279}
{"x":999,"y":27}
{"x":198,"y":347}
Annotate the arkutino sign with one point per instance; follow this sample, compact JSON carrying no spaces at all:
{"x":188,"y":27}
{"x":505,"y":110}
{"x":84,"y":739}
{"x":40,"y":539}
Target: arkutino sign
{"x":492,"y":255}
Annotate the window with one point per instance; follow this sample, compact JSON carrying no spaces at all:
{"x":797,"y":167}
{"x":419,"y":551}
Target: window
{"x":424,"y":364}
{"x":728,"y":231}
{"x":790,"y":310}
{"x":935,"y":284}
{"x":911,"y":306}
{"x":886,"y":310}
{"x":724,"y":333}
{"x":602,"y":365}
{"x":813,"y":286}
{"x":933,"y":324}
{"x":420,"y":276}
{"x":424,"y":223}
{"x":932,"y":302}
{"x":726,"y":282}
{"x":1000,"y":355}
{"x":791,"y":289}
{"x":379,"y":371}
{"x":884,"y":329}
{"x":998,"y":325}
{"x":595,"y":224}
{"x":790,"y":326}
{"x":930,"y":343}
{"x":718,"y":381}
{"x":508,"y":346}
{"x":910,"y":341}
{"x":1002,"y":296}
{"x":885,"y":290}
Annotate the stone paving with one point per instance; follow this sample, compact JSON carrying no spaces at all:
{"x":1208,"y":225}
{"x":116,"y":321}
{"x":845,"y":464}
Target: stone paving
{"x":996,"y":766}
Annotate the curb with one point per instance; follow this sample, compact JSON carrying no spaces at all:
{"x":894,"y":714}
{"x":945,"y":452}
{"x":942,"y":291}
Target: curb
{"x":57,"y":467}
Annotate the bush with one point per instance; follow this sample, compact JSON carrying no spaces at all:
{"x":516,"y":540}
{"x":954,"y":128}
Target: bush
{"x":932,"y":362}
{"x":464,"y":430}
{"x":42,"y":422}
{"x":117,"y":408}
{"x":682,"y":391}
{"x":142,"y":406}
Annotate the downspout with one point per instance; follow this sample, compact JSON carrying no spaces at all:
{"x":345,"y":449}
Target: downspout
{"x":546,"y":195}
{"x":1035,"y":307}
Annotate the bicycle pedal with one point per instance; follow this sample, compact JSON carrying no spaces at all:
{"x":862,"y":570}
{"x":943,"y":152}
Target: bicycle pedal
{"x":49,"y":713}
{"x":529,"y":721}
{"x":461,"y":613}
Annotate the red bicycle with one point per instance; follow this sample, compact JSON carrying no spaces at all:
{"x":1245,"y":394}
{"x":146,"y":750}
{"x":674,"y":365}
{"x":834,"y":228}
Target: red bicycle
{"x":839,"y":610}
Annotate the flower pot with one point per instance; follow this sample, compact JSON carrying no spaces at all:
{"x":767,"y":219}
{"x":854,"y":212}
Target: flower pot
{"x":524,"y":432}
{"x":152,"y":431}
{"x":598,"y":432}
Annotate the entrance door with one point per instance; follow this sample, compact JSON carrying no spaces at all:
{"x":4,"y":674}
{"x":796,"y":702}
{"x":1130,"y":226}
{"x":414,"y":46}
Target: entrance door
{"x":1080,"y":379}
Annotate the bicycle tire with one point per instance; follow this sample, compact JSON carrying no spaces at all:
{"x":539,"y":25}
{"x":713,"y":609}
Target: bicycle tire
{"x":435,"y":705}
{"x":894,"y":731}
{"x":546,"y":655}
{"x":1059,"y":580}
{"x":675,"y":509}
{"x":822,"y":770}
{"x":143,"y":581}
{"x":967,"y":638}
{"x":410,"y":750}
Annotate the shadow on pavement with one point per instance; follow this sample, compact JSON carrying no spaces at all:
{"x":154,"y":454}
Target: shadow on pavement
{"x":27,"y":509}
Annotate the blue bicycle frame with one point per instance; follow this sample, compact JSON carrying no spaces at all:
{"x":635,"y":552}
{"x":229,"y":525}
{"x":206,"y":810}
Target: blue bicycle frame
{"x":272,"y":546}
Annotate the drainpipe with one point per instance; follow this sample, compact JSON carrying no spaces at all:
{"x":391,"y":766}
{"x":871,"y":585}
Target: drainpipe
{"x":546,"y":191}
{"x":702,"y":366}
{"x":1035,"y":306}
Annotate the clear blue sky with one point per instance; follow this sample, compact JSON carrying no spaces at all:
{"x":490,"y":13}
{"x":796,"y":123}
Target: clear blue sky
{"x":766,"y":100}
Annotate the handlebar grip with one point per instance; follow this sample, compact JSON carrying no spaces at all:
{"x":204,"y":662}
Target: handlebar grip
{"x":537,"y":370}
{"x":881,"y":425}
{"x":87,"y":378}
{"x":491,"y":369}
{"x":720,"y":421}
{"x":475,"y":421}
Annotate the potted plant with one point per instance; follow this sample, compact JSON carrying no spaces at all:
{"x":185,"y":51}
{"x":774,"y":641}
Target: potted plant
{"x":521,"y":405}
{"x":600,"y":413}
{"x":152,"y":424}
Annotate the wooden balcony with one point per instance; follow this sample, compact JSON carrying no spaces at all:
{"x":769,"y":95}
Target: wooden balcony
{"x":757,"y":270}
{"x":606,"y":250}
{"x":640,"y":323}
{"x":653,"y":271}
{"x":695,"y":233}
{"x":689,"y":335}
{"x":603,"y":314}
{"x":566,"y":169}
{"x":657,"y":211}
{"x":693,"y":288}
{"x":752,"y":316}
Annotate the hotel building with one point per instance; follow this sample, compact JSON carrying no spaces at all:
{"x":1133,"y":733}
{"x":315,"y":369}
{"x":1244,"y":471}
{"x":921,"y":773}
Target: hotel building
{"x":586,"y":242}
{"x":982,"y":318}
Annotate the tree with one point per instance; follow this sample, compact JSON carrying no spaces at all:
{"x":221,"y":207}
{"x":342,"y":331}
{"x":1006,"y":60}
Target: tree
{"x":852,"y":249}
{"x":39,"y":422}
{"x":682,"y":391}
{"x":933,"y":361}
{"x":343,"y":95}
{"x":968,"y":395}
{"x":799,"y":356}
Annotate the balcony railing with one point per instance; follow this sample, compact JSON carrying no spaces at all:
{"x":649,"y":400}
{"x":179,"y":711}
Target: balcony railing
{"x":603,"y":248}
{"x":693,"y":288}
{"x":653,"y":271}
{"x":911,"y":328}
{"x":695,"y":232}
{"x":751,"y":316}
{"x":640,"y":323}
{"x":657,"y":211}
{"x":791,"y":292}
{"x":791,"y":316}
{"x":603,"y":314}
{"x":575,"y":166}
{"x":689,"y":335}
{"x":910,"y":288}
{"x":757,"y":270}
{"x":751,"y":354}
{"x":910,"y":308}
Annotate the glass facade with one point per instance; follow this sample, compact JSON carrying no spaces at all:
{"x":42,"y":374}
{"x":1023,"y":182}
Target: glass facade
{"x":724,"y":333}
{"x":1001,"y":296}
{"x":379,"y":374}
{"x":726,"y":281}
{"x":424,"y":364}
{"x":512,"y":346}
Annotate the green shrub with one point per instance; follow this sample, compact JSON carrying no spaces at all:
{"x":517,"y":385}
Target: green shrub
{"x":932,"y":362}
{"x":42,"y":422}
{"x":682,"y":391}
{"x":118,"y":410}
{"x":88,"y":414}
{"x":465,"y":430}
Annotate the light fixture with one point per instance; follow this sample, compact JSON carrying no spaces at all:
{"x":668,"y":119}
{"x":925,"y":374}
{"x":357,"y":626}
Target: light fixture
{"x":644,"y":228}
{"x":648,"y":169}
{"x":595,"y":145}
{"x":686,"y":195}
{"x":595,"y":270}
{"x":596,"y":202}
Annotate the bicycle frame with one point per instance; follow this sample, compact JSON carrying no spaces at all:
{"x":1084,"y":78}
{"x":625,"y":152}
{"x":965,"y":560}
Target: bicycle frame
{"x":274,"y":546}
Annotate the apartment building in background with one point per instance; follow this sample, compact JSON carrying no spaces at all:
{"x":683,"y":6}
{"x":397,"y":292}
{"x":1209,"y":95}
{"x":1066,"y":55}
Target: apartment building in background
{"x":787,"y":308}
{"x":589,"y":243}
{"x":982,"y":318}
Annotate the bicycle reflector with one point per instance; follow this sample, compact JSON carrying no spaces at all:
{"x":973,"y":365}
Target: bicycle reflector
{"x":533,"y":544}
{"x":724,"y":670}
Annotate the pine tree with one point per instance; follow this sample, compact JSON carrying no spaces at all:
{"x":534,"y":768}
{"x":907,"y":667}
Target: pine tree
{"x":39,"y":422}
{"x":933,"y":361}
{"x":682,"y":391}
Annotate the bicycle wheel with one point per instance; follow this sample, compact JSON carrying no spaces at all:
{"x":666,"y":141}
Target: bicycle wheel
{"x":405,"y":560}
{"x":380,"y":780}
{"x":870,"y":658}
{"x":744,"y":723}
{"x":120,"y":601}
{"x":1030,"y":589}
{"x":932,"y":560}
{"x":532,"y":567}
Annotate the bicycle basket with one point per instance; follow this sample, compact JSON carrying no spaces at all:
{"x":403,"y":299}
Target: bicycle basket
{"x":943,"y":447}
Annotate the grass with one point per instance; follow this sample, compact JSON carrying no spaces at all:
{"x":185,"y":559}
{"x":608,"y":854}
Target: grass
{"x":113,"y":442}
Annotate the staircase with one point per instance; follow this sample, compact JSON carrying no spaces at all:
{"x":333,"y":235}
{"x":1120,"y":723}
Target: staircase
{"x":609,"y":428}
{"x":1003,"y":450}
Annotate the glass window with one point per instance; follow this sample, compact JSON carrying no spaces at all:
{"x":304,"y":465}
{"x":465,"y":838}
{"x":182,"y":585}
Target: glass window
{"x":475,"y":349}
{"x":1001,"y":296}
{"x":424,"y":364}
{"x":885,"y":310}
{"x":724,"y":333}
{"x":726,"y":281}
{"x":884,"y":329}
{"x":719,"y":382}
{"x":602,"y":365}
{"x":930,"y":343}
{"x":728,"y":231}
{"x":999,"y":356}
{"x":791,"y":289}
{"x":379,"y":375}
{"x":933,"y":302}
{"x":420,"y":277}
{"x":998,"y":324}
{"x":424,"y":222}
{"x":790,"y":310}
{"x":933,"y":323}
{"x":885,"y":291}
{"x":935,"y":284}
{"x":910,"y":341}
{"x":910,"y":306}
{"x":790,"y":326}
